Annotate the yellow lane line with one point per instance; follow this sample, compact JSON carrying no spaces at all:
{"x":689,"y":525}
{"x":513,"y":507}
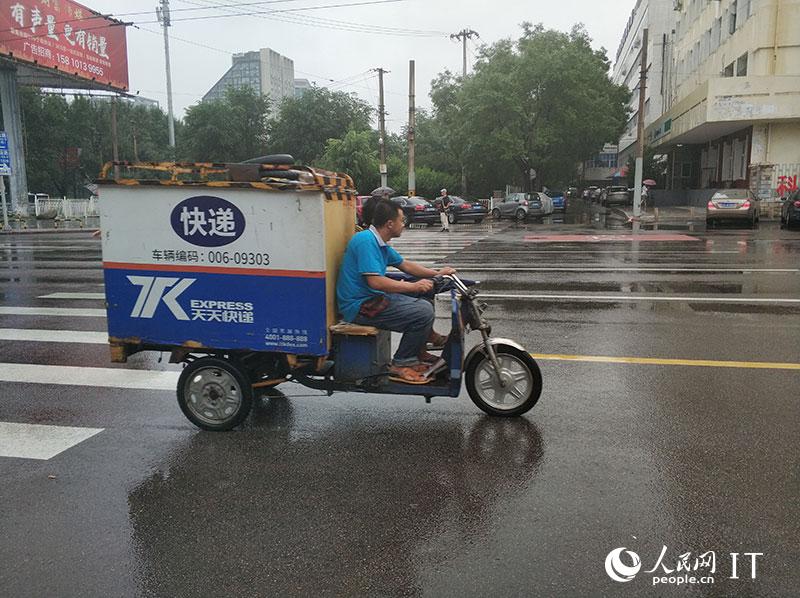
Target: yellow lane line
{"x":701,"y":363}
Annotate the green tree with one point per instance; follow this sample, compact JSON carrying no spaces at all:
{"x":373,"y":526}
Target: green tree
{"x":355,"y":154}
{"x":67,"y":141}
{"x":303,"y":126}
{"x":542,"y":102}
{"x":232,"y":129}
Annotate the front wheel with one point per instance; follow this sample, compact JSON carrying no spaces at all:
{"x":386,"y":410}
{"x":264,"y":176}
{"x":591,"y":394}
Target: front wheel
{"x":496,"y":214}
{"x":451,"y":218}
{"x":214,"y":394}
{"x":521,"y":377}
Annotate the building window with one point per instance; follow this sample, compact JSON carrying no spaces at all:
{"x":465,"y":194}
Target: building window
{"x":728,"y":70}
{"x":741,"y":66}
{"x":732,"y":17}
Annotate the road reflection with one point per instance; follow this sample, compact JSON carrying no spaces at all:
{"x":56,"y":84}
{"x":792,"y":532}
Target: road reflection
{"x":351,"y":506}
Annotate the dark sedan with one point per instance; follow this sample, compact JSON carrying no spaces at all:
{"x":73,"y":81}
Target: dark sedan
{"x":462,"y":209}
{"x":417,"y":210}
{"x":790,"y":211}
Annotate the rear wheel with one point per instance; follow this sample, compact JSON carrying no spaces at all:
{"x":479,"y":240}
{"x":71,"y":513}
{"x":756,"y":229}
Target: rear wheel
{"x":214,"y":394}
{"x":496,"y":214}
{"x":521,"y":384}
{"x":520,"y":215}
{"x":451,"y":218}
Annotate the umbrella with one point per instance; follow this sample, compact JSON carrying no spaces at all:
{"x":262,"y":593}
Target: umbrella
{"x":649,"y":183}
{"x":382,"y":191}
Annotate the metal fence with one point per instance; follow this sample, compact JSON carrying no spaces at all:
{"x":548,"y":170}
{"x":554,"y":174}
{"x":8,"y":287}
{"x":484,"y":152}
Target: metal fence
{"x":65,"y":209}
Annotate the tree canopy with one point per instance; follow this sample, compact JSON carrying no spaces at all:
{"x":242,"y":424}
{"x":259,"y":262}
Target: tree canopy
{"x":303,"y":125}
{"x":231,"y":129}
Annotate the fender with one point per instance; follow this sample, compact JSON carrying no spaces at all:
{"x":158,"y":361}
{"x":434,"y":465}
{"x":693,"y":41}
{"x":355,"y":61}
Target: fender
{"x":494,"y":342}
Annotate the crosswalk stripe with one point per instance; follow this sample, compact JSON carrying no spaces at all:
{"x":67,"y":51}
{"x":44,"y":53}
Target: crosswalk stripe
{"x":54,"y":336}
{"x":82,"y":376}
{"x":76,"y":312}
{"x":73,"y":296}
{"x":35,"y":441}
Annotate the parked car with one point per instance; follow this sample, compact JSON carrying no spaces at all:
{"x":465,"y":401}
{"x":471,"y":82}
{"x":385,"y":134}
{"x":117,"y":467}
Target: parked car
{"x":521,"y":206}
{"x":616,"y":196}
{"x":417,"y":210}
{"x":461,"y":209}
{"x":790,"y":211}
{"x":559,"y":200}
{"x":734,"y":205}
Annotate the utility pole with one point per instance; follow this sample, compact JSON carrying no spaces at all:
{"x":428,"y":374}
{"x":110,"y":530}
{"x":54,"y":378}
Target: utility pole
{"x":164,"y":18}
{"x":412,"y":125}
{"x":639,"y":175}
{"x":464,"y":35}
{"x":382,"y":126}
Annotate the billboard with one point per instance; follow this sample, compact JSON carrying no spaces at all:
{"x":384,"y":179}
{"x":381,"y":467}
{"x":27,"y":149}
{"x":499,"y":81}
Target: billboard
{"x":67,"y":36}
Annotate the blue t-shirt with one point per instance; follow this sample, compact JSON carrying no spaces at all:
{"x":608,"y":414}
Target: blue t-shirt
{"x":366,"y":254}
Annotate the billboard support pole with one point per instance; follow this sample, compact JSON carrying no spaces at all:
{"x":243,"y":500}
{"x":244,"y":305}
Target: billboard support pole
{"x":12,"y":121}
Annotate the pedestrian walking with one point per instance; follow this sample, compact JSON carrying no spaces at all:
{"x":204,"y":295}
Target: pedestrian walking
{"x":443,"y":203}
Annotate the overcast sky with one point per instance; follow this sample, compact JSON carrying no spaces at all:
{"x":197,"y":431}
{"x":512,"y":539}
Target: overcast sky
{"x":339,"y":58}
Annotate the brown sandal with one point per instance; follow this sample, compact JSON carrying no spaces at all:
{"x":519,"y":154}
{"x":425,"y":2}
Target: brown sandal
{"x":407,"y":375}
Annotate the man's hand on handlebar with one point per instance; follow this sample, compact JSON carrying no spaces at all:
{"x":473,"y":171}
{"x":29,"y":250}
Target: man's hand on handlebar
{"x":446,"y":271}
{"x":423,"y":286}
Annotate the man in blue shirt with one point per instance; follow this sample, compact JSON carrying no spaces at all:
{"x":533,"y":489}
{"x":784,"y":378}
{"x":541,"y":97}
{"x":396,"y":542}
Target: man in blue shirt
{"x":368,"y":297}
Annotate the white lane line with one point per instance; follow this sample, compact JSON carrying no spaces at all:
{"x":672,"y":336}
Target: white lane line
{"x":33,"y":441}
{"x":77,"y":312}
{"x":629,"y":298}
{"x":478,"y":268}
{"x":54,"y":336}
{"x":83,"y":376}
{"x":101,"y":296}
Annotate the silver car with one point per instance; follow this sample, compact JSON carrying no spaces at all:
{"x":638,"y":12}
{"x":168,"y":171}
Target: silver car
{"x":733,"y":205}
{"x":523,"y":205}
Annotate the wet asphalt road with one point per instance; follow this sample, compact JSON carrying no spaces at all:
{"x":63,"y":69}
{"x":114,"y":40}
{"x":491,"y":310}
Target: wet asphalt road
{"x":376,"y":496}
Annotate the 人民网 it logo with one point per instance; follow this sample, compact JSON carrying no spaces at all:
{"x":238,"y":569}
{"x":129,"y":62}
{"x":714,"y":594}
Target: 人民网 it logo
{"x":619,"y":571}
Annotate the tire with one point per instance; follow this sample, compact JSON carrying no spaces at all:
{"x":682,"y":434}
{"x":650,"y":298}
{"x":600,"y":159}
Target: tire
{"x":451,"y":218}
{"x":489,"y":396}
{"x":520,"y":215}
{"x":496,"y":214}
{"x":199,"y":388}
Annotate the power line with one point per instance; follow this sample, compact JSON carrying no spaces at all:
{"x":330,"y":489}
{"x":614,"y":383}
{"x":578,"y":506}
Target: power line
{"x":329,"y":23}
{"x":238,"y":14}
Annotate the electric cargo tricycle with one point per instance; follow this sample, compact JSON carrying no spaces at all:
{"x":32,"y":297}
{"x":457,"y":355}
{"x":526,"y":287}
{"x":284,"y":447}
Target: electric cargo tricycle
{"x":231,"y":268}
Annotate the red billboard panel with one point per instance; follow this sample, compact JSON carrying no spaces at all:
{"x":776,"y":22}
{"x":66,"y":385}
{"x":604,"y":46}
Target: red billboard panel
{"x":67,"y":36}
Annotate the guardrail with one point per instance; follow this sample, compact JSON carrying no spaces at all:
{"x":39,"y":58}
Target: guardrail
{"x":65,"y":208}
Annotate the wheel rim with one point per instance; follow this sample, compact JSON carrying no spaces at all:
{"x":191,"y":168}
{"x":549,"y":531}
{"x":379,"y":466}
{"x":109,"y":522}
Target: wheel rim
{"x":213,"y":395}
{"x":516,"y":374}
{"x":520,"y":215}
